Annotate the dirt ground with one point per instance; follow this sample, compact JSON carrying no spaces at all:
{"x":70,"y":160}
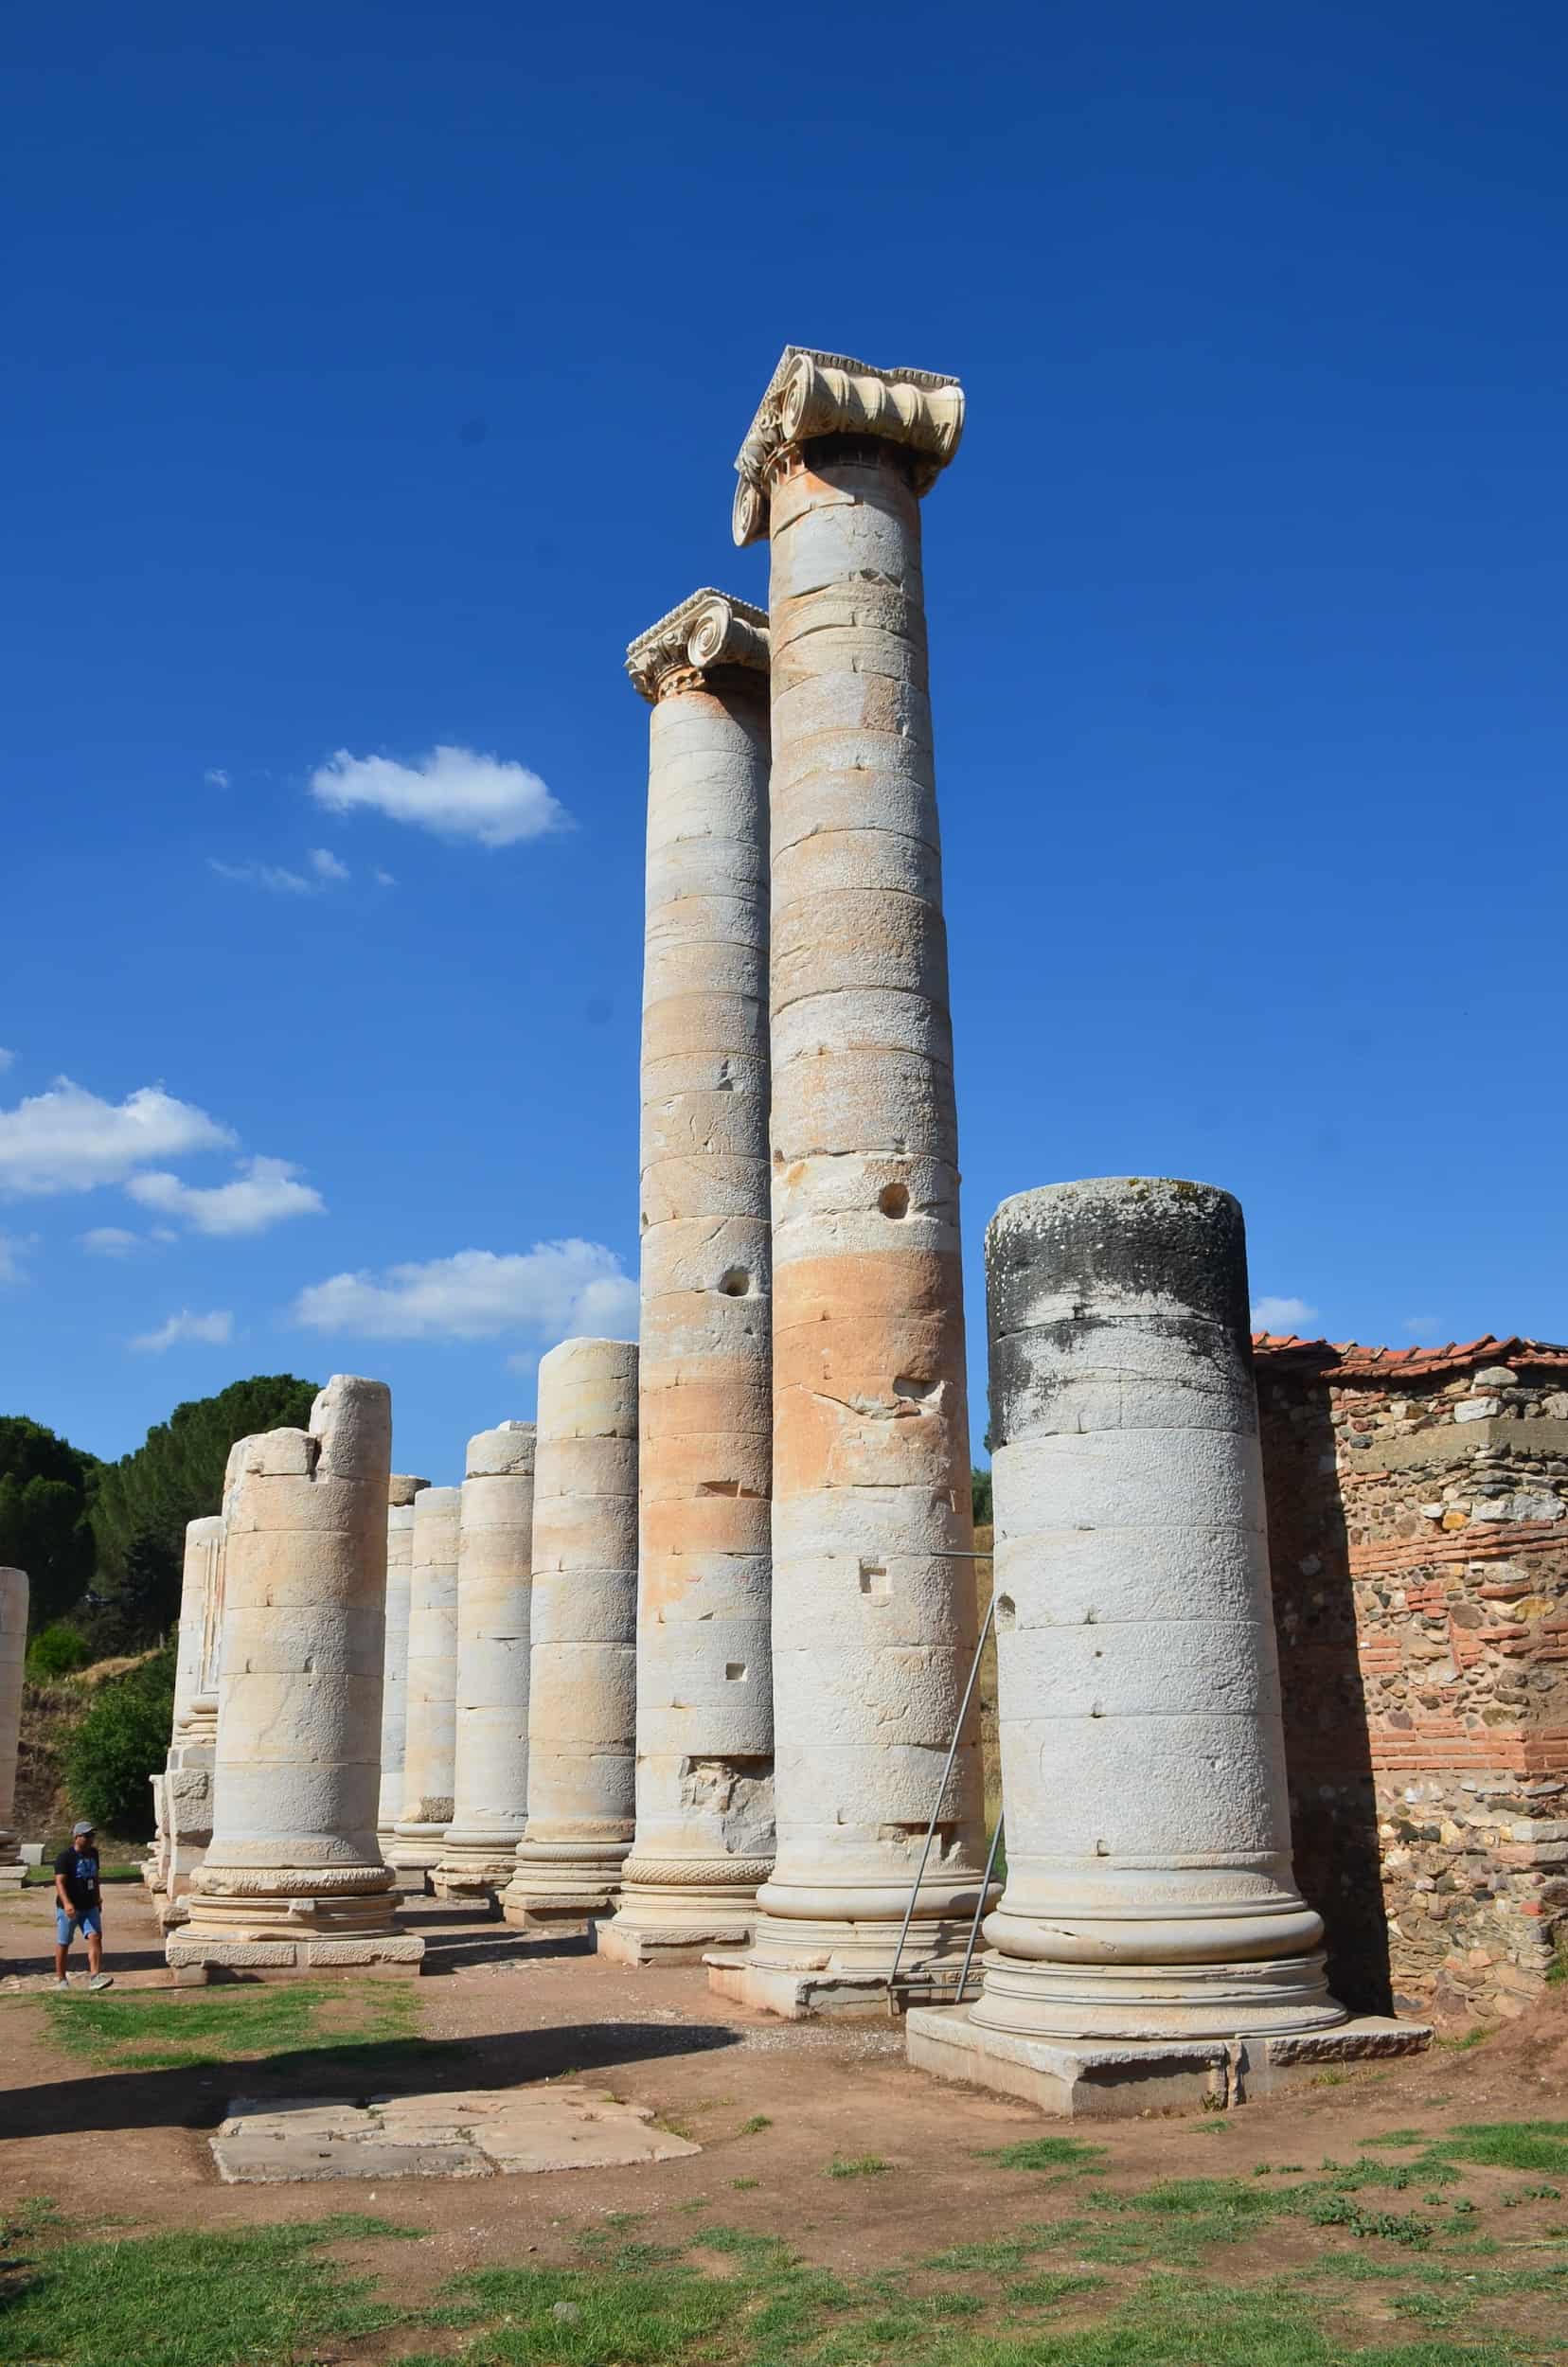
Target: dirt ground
{"x":134,"y":2142}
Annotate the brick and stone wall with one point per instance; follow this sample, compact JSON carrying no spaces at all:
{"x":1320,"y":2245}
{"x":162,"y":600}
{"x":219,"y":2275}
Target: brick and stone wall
{"x":1418,"y":1509}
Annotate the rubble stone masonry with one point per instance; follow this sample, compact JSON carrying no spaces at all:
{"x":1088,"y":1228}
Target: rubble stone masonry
{"x":1419,"y":1527}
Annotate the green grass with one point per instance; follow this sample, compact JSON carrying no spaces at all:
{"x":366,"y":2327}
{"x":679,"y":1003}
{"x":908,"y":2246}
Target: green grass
{"x":246,"y":2300}
{"x":159,"y":2029}
{"x":857,"y":2165}
{"x":1035,"y":2297}
{"x":757,"y":2122}
{"x":1049,"y":2153}
{"x":1503,"y":2145}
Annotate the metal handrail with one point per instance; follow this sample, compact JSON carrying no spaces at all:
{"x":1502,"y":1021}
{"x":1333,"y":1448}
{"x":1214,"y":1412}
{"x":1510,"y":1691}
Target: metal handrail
{"x":941,"y":1789}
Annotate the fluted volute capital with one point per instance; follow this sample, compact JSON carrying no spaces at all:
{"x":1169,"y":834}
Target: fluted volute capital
{"x":813,"y":394}
{"x":707,"y":630}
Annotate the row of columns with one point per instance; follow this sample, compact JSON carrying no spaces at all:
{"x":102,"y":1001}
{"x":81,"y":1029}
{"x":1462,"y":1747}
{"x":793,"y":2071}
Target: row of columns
{"x":699,"y":1649}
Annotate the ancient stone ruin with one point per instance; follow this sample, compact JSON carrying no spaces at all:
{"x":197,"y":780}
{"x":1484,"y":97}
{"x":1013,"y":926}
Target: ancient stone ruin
{"x":13,"y":1650}
{"x":694,"y":1665}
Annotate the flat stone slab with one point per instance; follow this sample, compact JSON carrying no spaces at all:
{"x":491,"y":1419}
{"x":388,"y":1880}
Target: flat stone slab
{"x":468,"y":2134}
{"x":1107,"y":2079}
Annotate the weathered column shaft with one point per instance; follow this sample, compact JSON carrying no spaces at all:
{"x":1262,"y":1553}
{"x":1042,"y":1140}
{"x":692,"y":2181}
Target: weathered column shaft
{"x":13,"y":1653}
{"x":431,"y":1734}
{"x":581,"y":1692}
{"x":494,"y":1588}
{"x":1149,"y":1891}
{"x":185,"y":1789}
{"x":401,"y":1490}
{"x":294,"y":1875}
{"x":873,"y":1627}
{"x":705,"y":1836}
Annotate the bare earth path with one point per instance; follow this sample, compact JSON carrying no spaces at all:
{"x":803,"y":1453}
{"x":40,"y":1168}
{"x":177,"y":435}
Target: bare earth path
{"x":134,"y":2143}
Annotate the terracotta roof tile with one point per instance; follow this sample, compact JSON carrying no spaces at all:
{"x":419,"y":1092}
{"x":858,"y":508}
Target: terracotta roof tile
{"x":1353,"y":1361}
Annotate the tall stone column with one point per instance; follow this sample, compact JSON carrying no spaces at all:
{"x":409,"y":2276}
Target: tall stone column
{"x":430,"y":1747}
{"x":1150,"y":1899}
{"x":704,"y":1832}
{"x":402,"y":1489}
{"x":583,"y":1680}
{"x":186,"y":1788}
{"x":293,"y":1877}
{"x":13,"y":1653}
{"x":188,"y":1665}
{"x":495,"y":1585}
{"x":873,"y":1627}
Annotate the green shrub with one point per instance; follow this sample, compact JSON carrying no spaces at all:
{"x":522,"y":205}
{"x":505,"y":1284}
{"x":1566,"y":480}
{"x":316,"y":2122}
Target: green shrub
{"x":120,"y":1742}
{"x":56,"y":1651}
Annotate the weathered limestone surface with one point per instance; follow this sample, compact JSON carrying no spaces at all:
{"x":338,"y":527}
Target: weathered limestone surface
{"x":431,"y":1737}
{"x":293,"y":1879}
{"x":402,"y":1489}
{"x":1149,"y":1887}
{"x":13,"y":1650}
{"x":872,"y":1593}
{"x":494,"y":1587}
{"x":704,"y":1831}
{"x":582,"y":1682}
{"x":184,"y":1789}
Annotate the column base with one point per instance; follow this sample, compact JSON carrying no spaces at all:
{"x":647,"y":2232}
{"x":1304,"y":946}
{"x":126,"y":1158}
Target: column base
{"x":291,"y":1919}
{"x":1107,"y":2079}
{"x":474,"y":1873}
{"x":675,"y":1922}
{"x":1135,"y":2003}
{"x":555,"y":1887}
{"x":414,"y":1849}
{"x":13,"y":1873}
{"x":809,"y":1970}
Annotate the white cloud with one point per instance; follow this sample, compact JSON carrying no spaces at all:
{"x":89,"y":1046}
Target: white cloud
{"x":109,"y":1240}
{"x":13,"y":1250}
{"x":216,"y":778}
{"x":1424,"y":1326}
{"x":68,"y":1140}
{"x":558,"y":1290}
{"x":1277,"y":1314}
{"x":263,"y":1193}
{"x":271,"y":876}
{"x":385,"y":879}
{"x":325,"y":864}
{"x":456,"y":792}
{"x":210,"y":1331}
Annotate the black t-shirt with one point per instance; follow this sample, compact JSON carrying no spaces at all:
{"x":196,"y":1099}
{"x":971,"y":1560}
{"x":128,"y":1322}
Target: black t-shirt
{"x":81,"y":1870}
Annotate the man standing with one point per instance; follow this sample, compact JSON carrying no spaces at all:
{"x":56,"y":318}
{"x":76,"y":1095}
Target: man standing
{"x":78,"y":1907}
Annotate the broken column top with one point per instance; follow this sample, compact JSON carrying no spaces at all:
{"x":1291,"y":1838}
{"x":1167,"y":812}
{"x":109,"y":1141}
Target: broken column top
{"x":709,"y":628}
{"x":1118,"y":1250}
{"x":350,"y":1437}
{"x":402,"y":1488}
{"x":506,"y":1452}
{"x":831,"y":394}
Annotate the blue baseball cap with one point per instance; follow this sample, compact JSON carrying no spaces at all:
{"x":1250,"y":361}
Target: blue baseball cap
{"x":80,"y":1826}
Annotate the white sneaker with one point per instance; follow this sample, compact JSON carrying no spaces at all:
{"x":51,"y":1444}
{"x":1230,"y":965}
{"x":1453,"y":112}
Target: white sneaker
{"x":101,"y":1981}
{"x":62,"y":1982}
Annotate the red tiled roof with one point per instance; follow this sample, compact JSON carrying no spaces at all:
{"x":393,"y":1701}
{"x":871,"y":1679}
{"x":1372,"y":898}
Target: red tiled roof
{"x":1356,"y":1362}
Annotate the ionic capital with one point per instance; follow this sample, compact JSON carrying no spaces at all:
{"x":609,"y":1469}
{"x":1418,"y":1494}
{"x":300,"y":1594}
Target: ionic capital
{"x":707,"y":630}
{"x":827,"y":394}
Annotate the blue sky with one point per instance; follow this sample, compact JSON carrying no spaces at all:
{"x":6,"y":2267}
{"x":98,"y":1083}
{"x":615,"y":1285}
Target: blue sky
{"x":375,"y":372}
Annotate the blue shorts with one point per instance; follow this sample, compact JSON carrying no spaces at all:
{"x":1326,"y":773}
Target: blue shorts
{"x":89,"y":1922}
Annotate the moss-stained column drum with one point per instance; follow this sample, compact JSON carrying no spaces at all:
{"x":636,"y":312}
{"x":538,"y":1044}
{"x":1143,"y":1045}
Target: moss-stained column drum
{"x":13,"y":1653}
{"x":429,"y":1745}
{"x":294,"y":1877}
{"x":704,"y":1836}
{"x":1149,"y":1891}
{"x":582,"y":1678}
{"x":495,"y":1585}
{"x":187,"y":1782}
{"x":873,"y":1627}
{"x":402,"y":1489}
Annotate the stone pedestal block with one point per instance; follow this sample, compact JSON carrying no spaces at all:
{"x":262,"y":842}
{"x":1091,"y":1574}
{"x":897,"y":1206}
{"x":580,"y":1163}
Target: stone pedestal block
{"x":582,"y":1694}
{"x":13,"y":1652}
{"x":873,"y":1628}
{"x":402,"y":1489}
{"x":494,"y":1588}
{"x":293,"y":1879}
{"x":431,"y":1734}
{"x":704,"y":1825}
